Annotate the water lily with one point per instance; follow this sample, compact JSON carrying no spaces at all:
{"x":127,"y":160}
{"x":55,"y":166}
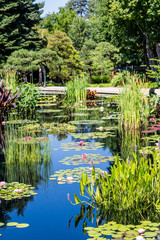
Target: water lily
{"x":84,"y":155}
{"x":80,"y":143}
{"x":152,"y":119}
{"x":90,"y":169}
{"x":108,"y":105}
{"x":141,"y":231}
{"x":101,"y":109}
{"x":59,"y":179}
{"x":2,"y":184}
{"x":3,"y":123}
{"x":18,"y":190}
{"x":69,"y":179}
{"x":139,"y":238}
{"x":101,"y":128}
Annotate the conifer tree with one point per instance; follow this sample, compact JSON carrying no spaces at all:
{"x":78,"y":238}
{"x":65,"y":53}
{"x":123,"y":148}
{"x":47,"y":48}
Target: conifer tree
{"x":17,"y":19}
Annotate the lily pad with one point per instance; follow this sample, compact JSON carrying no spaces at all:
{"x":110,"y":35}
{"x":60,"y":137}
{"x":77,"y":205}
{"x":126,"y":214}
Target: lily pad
{"x":82,"y":146}
{"x":12,"y":224}
{"x":22,"y":225}
{"x":15,"y":190}
{"x":88,"y":159}
{"x":92,"y":135}
{"x":74,"y":175}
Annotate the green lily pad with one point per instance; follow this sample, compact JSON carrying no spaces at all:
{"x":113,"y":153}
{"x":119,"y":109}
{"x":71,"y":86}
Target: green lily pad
{"x":84,"y":146}
{"x":12,"y":224}
{"x":22,"y":225}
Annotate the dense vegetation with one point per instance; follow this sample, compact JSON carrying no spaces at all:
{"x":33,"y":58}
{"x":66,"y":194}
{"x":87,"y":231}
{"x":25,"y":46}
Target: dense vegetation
{"x":90,"y":37}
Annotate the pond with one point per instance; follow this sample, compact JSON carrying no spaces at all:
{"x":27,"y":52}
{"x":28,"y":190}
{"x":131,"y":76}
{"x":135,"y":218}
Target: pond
{"x":52,"y":157}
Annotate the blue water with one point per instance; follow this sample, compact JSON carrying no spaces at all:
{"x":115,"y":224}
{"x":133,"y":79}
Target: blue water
{"x":48,"y":213}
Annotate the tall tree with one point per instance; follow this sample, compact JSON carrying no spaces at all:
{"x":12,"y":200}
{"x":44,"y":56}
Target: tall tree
{"x":17,"y":19}
{"x":59,"y":21}
{"x":80,"y":6}
{"x":77,"y":32}
{"x":143,"y":17}
{"x":87,"y":54}
{"x":69,"y":60}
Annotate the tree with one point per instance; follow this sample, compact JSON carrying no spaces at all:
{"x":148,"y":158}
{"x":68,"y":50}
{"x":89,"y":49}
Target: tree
{"x":143,"y":17}
{"x":26,"y":62}
{"x":87,"y":54}
{"x":80,"y":6}
{"x":69,"y":60}
{"x":59,"y":21}
{"x":104,"y":59}
{"x":77,"y":32}
{"x":17,"y":19}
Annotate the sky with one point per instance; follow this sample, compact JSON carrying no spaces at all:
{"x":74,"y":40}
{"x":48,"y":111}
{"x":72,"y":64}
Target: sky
{"x":52,"y":5}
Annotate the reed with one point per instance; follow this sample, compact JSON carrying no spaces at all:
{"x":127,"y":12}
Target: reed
{"x":26,"y":162}
{"x":10,"y":78}
{"x":76,"y":91}
{"x":131,"y":186}
{"x":133,"y":105}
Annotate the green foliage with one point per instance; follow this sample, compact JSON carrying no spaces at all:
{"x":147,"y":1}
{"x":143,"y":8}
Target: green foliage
{"x":76,"y":91}
{"x":97,"y":79}
{"x":17,"y":20}
{"x":133,"y":105}
{"x":69,"y":62}
{"x":80,"y":6}
{"x":59,"y":21}
{"x":77,"y":32}
{"x":130,"y":185}
{"x":28,"y":98}
{"x":9,"y":77}
{"x":155,"y":72}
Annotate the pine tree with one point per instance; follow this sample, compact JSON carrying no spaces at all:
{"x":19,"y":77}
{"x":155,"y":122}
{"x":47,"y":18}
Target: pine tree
{"x":17,"y":19}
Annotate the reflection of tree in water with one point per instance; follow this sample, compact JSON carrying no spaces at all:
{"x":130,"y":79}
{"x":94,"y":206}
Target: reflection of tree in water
{"x":101,"y":216}
{"x":18,"y":205}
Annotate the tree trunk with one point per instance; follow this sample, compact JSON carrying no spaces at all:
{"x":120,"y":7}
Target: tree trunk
{"x":40,"y":76}
{"x":90,"y":73}
{"x":158,"y":50}
{"x":25,"y":78}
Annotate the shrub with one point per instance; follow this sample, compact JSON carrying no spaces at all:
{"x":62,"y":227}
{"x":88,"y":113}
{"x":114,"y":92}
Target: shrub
{"x":28,"y":98}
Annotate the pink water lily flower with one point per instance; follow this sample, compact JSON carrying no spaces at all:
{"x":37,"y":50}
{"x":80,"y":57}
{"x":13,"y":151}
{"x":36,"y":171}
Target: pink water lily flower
{"x":139,"y":238}
{"x":141,"y":231}
{"x":3,"y":123}
{"x":29,"y":138}
{"x":152,"y":119}
{"x":69,"y":179}
{"x":18,"y":190}
{"x":2,"y":184}
{"x":84,"y":155}
{"x":80,"y":143}
{"x":90,"y":169}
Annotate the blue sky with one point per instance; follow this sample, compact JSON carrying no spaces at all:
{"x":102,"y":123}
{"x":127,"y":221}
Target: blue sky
{"x":52,"y":5}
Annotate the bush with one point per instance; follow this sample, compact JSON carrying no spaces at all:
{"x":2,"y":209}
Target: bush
{"x":97,"y":79}
{"x":28,"y":98}
{"x":124,"y":77}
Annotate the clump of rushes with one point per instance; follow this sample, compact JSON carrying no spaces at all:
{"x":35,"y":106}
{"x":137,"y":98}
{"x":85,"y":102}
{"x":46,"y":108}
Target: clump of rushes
{"x":133,"y":105}
{"x":76,"y":91}
{"x":131,"y":186}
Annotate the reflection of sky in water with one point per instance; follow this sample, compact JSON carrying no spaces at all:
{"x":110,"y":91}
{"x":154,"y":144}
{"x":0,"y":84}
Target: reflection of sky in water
{"x":49,"y":213}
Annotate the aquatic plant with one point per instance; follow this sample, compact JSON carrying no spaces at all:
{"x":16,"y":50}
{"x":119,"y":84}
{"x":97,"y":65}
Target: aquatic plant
{"x":146,"y":230}
{"x":92,"y":135}
{"x":76,"y":91}
{"x":28,"y":98}
{"x":7,"y":101}
{"x":15,"y":190}
{"x":133,"y":105}
{"x":59,"y":127}
{"x":131,"y":186}
{"x":89,"y":122}
{"x":82,"y":146}
{"x":86,"y":159}
{"x":9,"y":76}
{"x":62,"y":176}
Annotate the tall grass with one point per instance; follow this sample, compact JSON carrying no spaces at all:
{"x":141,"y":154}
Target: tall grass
{"x":131,"y":186}
{"x":133,"y":105}
{"x":10,"y":78}
{"x":76,"y":90}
